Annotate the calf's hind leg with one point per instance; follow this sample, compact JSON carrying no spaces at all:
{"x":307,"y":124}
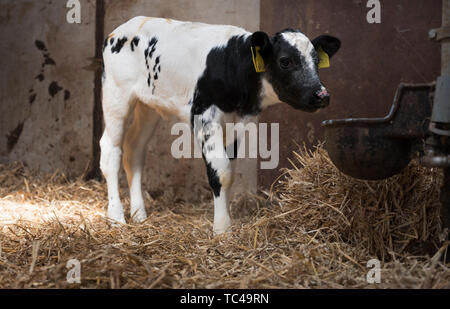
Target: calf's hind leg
{"x":135,"y":146}
{"x":116,"y":106}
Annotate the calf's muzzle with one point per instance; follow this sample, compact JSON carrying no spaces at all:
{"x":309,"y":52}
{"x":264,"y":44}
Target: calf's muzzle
{"x":322,"y":98}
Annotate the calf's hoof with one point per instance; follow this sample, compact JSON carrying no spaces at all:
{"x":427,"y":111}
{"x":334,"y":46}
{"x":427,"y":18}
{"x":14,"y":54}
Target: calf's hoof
{"x":116,"y":217}
{"x":222,"y":227}
{"x":139,"y":215}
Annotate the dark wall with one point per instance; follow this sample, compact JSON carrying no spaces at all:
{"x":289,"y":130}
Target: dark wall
{"x":365,"y":74}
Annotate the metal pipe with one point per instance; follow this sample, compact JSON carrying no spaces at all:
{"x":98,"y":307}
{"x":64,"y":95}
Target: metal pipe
{"x":435,"y":161}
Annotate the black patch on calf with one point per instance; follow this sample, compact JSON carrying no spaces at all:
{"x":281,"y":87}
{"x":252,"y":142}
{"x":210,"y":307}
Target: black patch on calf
{"x":206,"y":137}
{"x":151,"y":48}
{"x":152,"y":51}
{"x":152,"y":45}
{"x":148,"y":52}
{"x":156,"y":63}
{"x":105,"y":44}
{"x":230,"y":81}
{"x":134,"y":43}
{"x":119,"y":45}
{"x":329,"y":44}
{"x":214,"y":180}
{"x":232,"y":155}
{"x":14,"y":135}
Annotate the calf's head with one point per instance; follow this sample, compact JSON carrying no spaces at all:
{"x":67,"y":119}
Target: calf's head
{"x":292,"y":66}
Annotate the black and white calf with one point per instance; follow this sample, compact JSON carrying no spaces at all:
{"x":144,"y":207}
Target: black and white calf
{"x":205,"y":75}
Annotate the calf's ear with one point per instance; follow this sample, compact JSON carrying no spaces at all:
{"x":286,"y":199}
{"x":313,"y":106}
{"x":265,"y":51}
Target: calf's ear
{"x":262,"y":40}
{"x":329,"y":44}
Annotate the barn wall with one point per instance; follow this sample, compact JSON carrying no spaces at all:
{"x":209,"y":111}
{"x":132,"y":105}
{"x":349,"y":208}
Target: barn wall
{"x":185,"y":178}
{"x":45,"y":95}
{"x":365,"y":74}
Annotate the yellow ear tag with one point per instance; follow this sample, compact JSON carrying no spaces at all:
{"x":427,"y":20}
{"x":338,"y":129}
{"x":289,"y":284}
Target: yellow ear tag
{"x":324,"y":60}
{"x":258,"y":61}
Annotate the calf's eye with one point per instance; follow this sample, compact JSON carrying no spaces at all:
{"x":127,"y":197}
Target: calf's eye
{"x":285,"y":63}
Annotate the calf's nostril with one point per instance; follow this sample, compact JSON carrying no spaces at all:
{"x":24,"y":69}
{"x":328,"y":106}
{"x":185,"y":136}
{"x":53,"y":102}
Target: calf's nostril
{"x":322,"y":94}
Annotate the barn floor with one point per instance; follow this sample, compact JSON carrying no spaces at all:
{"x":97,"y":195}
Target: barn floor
{"x":308,"y":235}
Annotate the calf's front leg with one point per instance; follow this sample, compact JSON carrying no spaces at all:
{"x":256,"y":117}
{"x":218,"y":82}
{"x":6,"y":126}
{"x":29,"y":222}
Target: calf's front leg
{"x":218,"y":166}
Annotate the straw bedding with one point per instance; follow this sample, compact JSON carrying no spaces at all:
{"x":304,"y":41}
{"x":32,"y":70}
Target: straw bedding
{"x":317,"y":228}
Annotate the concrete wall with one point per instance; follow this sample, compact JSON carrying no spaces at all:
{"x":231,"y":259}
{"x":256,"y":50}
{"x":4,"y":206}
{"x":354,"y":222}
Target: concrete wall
{"x":186,"y":178}
{"x":46,"y":97}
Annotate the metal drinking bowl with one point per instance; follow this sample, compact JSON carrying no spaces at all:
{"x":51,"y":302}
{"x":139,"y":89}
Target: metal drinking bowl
{"x":378,"y":148}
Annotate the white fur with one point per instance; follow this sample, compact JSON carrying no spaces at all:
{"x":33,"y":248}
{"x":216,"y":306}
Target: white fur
{"x":180,"y":70}
{"x":269,"y":97}
{"x":303,"y":44}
